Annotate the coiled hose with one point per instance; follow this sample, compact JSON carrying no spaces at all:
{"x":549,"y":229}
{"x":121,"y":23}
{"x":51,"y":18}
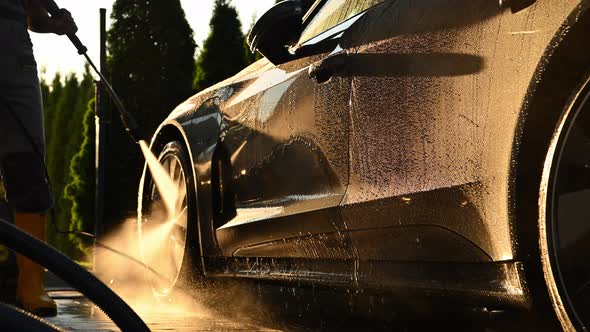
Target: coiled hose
{"x":97,"y":292}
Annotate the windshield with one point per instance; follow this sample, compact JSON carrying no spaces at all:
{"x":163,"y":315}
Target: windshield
{"x":333,"y":13}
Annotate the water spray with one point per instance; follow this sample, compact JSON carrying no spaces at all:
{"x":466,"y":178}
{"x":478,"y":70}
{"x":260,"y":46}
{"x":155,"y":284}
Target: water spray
{"x":163,"y":182}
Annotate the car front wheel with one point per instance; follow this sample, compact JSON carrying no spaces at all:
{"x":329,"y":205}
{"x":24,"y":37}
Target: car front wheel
{"x":168,"y":229}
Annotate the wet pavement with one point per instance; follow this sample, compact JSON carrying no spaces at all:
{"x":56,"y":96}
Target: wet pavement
{"x":77,"y":314}
{"x":247,"y":307}
{"x":253,"y":307}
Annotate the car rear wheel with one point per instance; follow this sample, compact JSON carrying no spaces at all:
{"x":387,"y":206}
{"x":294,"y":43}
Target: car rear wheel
{"x":564,"y":213}
{"x":169,"y":241}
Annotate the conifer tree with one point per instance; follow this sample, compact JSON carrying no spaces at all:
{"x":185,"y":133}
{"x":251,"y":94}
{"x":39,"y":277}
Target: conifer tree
{"x":81,"y":188}
{"x":63,"y":121}
{"x":57,"y":161}
{"x":223,"y":53}
{"x":151,"y":49}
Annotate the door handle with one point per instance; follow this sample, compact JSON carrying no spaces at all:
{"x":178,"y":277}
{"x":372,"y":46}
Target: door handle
{"x":323,"y":70}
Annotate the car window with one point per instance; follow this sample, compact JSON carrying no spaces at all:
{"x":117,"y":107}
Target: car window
{"x":333,"y":13}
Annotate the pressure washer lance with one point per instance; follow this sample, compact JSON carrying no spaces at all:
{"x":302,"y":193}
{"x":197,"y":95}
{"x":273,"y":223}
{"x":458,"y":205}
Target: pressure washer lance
{"x":127,"y":119}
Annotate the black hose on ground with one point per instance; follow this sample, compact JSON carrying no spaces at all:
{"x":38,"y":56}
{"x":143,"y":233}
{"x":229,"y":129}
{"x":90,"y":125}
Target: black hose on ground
{"x":97,"y":292}
{"x":14,"y":319}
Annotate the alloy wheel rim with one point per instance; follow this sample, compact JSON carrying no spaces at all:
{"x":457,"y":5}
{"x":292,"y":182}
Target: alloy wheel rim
{"x":167,"y":258}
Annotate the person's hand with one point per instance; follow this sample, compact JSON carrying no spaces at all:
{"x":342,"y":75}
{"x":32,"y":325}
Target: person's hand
{"x":63,"y":23}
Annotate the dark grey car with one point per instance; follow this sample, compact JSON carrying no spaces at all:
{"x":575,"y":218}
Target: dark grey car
{"x":435,"y":147}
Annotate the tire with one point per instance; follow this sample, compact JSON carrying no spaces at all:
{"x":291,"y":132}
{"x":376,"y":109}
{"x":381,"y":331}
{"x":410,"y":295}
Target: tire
{"x":564,"y":214}
{"x":171,"y":245}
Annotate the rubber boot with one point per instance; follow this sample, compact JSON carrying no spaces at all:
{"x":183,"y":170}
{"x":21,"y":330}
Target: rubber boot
{"x":30,"y":291}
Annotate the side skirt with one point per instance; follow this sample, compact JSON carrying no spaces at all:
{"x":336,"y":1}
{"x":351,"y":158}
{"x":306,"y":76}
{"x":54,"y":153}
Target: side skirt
{"x":498,"y":285}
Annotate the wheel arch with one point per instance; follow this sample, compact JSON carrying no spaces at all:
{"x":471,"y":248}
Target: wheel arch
{"x":201,"y":141}
{"x":561,"y":69}
{"x":170,"y":131}
{"x":554,"y":76}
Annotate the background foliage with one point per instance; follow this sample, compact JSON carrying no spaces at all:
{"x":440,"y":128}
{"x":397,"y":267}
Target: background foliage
{"x":223,"y":53}
{"x":65,"y":103}
{"x":151,"y":60}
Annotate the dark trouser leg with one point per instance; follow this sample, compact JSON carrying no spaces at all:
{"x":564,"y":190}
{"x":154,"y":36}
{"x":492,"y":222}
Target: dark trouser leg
{"x":29,"y":196}
{"x":22,"y":153}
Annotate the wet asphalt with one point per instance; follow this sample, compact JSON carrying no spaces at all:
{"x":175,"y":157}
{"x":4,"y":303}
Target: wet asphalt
{"x":245,"y":305}
{"x":254,"y":307}
{"x":78,"y":314}
{"x":75,"y":313}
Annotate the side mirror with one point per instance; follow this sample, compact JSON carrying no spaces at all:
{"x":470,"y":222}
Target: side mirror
{"x":278,"y":28}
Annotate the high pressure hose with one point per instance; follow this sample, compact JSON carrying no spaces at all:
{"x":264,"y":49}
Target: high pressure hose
{"x":6,"y":320}
{"x":13,"y":238}
{"x":15,"y":319}
{"x":66,"y":269}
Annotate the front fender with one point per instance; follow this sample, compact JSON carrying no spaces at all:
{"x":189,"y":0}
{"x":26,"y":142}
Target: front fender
{"x":198,"y":128}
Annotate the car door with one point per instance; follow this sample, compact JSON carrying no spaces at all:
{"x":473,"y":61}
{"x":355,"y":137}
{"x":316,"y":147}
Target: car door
{"x":423,"y":78}
{"x":302,"y":126}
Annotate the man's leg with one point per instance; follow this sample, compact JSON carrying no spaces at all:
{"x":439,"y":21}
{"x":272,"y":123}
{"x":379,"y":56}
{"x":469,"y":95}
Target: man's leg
{"x":22,"y":154}
{"x":29,"y":195}
{"x":30,"y":291}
